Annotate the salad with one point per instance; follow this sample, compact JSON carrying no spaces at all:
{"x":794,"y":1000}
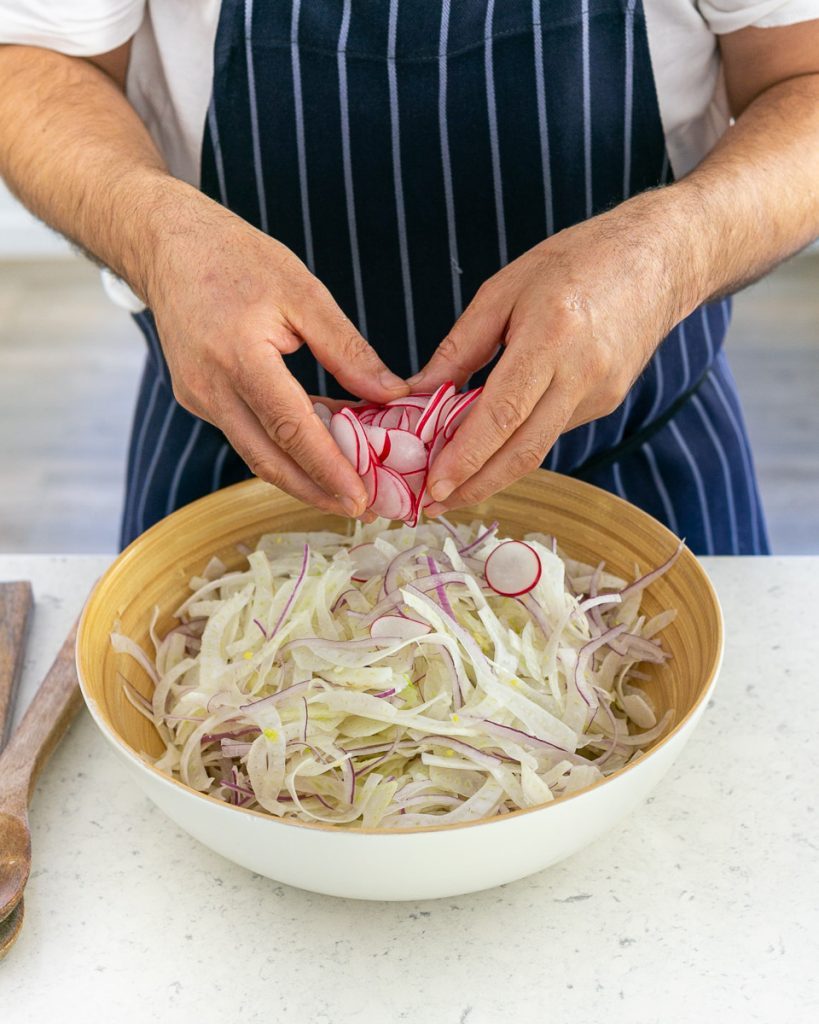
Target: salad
{"x":394,"y":678}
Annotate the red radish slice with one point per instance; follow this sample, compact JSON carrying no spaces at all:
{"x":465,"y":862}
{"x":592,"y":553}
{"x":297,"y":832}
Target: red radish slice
{"x":429,"y":418}
{"x":371,"y":484}
{"x":379,"y":440}
{"x":349,"y":435}
{"x":407,"y":453}
{"x":415,"y":481}
{"x":323,"y":413}
{"x":398,"y":626}
{"x":458,"y":411}
{"x":419,"y":401}
{"x":367,"y":561}
{"x":393,"y":498}
{"x":513,"y":568}
{"x":345,"y":436}
{"x":413,"y":415}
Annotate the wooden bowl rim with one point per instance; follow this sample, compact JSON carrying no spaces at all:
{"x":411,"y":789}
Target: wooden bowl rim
{"x":319,"y":826}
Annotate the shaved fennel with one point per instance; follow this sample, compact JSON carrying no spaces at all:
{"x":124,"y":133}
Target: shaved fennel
{"x":378,"y":679}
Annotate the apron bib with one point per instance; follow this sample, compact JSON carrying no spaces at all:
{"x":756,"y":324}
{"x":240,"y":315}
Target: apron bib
{"x":408,"y":149}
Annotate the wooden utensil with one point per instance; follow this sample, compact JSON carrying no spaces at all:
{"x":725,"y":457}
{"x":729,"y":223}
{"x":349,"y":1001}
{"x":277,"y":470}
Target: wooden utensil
{"x":15,"y":606}
{"x":47,"y":718}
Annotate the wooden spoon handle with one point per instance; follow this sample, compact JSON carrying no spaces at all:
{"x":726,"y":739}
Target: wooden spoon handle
{"x":48,"y":716}
{"x":15,"y":605}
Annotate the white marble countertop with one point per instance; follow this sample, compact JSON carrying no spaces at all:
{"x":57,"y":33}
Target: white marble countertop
{"x":702,"y":906}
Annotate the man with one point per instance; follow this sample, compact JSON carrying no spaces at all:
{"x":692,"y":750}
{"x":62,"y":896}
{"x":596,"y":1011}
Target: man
{"x":557,"y":181}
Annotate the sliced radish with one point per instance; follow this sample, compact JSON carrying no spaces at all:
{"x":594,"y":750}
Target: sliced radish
{"x":390,"y":417}
{"x":393,"y":498}
{"x":346,"y":437}
{"x":406,"y":453}
{"x":428,"y":422}
{"x":367,"y":561}
{"x":349,"y":435}
{"x":379,"y":440}
{"x":398,"y":626}
{"x":513,"y":568}
{"x":419,"y":401}
{"x":370,"y":481}
{"x":458,"y":411}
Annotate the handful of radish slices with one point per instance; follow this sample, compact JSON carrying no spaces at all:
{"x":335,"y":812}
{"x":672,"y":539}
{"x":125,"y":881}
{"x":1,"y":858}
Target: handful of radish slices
{"x":392,"y":446}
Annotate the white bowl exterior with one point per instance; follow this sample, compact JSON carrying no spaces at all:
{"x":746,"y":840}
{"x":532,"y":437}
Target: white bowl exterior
{"x":411,"y":865}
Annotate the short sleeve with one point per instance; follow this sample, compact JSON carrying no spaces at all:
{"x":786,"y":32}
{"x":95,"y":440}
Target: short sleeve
{"x":723,"y":16}
{"x":78,"y":28}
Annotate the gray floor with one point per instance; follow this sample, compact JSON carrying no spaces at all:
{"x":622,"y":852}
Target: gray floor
{"x":69,"y":364}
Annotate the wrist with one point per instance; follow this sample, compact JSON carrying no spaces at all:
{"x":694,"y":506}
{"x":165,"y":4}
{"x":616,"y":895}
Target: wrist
{"x":674,"y":248}
{"x":165,"y":213}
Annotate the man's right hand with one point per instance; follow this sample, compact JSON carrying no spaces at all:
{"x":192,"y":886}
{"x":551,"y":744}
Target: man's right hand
{"x":229,"y":303}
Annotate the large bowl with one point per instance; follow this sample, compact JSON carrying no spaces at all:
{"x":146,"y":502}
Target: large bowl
{"x":388,"y":864}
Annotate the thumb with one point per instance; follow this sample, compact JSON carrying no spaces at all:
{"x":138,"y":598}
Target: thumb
{"x":470,"y":344}
{"x":343,"y":352}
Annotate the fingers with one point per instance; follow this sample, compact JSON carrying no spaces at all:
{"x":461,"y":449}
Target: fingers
{"x":268,"y":462}
{"x":511,"y":393}
{"x":338,"y":346}
{"x":286,"y":416}
{"x":472,"y":342}
{"x":522,"y":453}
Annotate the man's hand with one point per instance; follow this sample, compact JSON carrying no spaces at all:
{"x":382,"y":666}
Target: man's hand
{"x":229,"y":303}
{"x":580,"y":314}
{"x":578,"y":317}
{"x":228,"y":300}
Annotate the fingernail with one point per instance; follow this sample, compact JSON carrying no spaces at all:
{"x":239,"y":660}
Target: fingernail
{"x":392,"y":382}
{"x":442,"y":489}
{"x":353,"y":507}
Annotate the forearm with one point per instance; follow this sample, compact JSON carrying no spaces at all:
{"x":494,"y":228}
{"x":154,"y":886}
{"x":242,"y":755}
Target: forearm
{"x":751,"y":203}
{"x":758,"y":191}
{"x":76,"y":153}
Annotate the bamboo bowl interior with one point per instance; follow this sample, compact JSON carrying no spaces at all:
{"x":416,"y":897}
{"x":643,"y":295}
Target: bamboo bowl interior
{"x":590,"y":524}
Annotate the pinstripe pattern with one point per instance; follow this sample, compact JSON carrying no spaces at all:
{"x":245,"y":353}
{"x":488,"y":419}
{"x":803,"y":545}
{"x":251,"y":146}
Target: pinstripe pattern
{"x":129,"y":526}
{"x":619,"y":489}
{"x":213,"y":128}
{"x":726,"y":472}
{"x":628,"y":99}
{"x":699,"y":484}
{"x":443,"y":129}
{"x":554,"y":456}
{"x":219,"y":466}
{"x":171,"y":408}
{"x":542,"y":122}
{"x":404,"y":232}
{"x":181,"y":466}
{"x":304,"y":194}
{"x":706,"y":330}
{"x":745,"y":456}
{"x":662,"y":490}
{"x":400,"y":212}
{"x":587,"y":162}
{"x":493,"y":133}
{"x":683,"y":347}
{"x":254,"y":117}
{"x":348,"y":166}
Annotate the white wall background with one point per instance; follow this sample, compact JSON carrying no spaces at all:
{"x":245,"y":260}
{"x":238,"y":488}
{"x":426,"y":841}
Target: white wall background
{"x":23,"y":236}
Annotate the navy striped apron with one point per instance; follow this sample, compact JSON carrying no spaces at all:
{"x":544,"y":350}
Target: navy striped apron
{"x":408,"y":149}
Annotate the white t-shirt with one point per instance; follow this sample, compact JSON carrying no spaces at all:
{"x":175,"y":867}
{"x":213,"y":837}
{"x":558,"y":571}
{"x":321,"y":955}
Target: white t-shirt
{"x":169,"y":79}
